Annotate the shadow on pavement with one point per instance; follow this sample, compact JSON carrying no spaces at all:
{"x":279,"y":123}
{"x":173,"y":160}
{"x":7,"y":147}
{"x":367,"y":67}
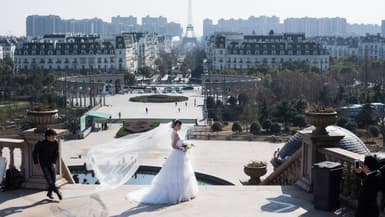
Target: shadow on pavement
{"x":291,"y":199}
{"x":19,"y":209}
{"x":141,"y":208}
{"x":13,"y":194}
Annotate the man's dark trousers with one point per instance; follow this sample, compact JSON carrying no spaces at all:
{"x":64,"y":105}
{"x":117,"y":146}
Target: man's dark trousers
{"x":50,"y":175}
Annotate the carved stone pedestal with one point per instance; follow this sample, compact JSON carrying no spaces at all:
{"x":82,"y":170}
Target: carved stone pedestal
{"x":34,"y":178}
{"x":310,"y":155}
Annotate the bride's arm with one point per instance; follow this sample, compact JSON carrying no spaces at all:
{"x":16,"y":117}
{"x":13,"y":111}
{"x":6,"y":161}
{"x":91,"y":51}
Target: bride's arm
{"x":175,"y":139}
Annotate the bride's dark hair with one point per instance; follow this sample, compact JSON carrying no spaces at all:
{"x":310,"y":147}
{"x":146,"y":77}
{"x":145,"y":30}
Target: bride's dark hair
{"x":175,"y":122}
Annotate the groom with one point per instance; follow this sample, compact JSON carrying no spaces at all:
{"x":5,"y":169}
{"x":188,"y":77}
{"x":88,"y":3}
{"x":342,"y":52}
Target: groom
{"x":46,"y":154}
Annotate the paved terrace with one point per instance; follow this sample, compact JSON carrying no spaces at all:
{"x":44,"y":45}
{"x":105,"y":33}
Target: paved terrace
{"x":212,"y":201}
{"x":223,"y":159}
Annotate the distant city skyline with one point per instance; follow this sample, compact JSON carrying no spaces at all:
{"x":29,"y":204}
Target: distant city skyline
{"x":14,"y":12}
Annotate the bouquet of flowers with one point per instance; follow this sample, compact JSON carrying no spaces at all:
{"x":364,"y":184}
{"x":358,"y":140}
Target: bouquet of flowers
{"x":188,"y":146}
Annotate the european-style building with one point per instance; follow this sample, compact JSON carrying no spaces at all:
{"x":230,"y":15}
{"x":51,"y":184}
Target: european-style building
{"x":238,"y":51}
{"x":369,"y":47}
{"x":124,"y":52}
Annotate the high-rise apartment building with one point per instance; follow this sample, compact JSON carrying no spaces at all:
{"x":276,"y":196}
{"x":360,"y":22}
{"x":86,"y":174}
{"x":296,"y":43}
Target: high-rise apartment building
{"x":38,"y":26}
{"x":383,"y":28}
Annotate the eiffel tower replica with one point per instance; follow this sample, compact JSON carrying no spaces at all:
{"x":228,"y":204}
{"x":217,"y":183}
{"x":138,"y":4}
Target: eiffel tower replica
{"x":189,"y":40}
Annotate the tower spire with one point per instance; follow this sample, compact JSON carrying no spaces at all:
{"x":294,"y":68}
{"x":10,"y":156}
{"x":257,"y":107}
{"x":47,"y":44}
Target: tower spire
{"x":189,"y":18}
{"x":190,"y":28}
{"x":189,"y":39}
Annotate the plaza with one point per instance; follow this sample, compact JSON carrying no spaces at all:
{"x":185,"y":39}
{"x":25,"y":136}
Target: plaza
{"x":221,"y":159}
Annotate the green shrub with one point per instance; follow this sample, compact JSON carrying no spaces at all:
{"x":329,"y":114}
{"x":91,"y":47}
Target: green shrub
{"x":122,"y":132}
{"x":159,"y":99}
{"x":216,"y":127}
{"x":275,"y":128}
{"x":374,"y":131}
{"x":299,"y":120}
{"x":342,"y":122}
{"x":255,"y":128}
{"x":135,"y":127}
{"x":267,"y":124}
{"x":352,"y":126}
{"x":236,"y":127}
{"x":256,"y":164}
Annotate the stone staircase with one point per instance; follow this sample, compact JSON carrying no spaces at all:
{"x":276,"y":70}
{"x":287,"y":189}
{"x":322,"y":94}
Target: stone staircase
{"x":288,"y":173}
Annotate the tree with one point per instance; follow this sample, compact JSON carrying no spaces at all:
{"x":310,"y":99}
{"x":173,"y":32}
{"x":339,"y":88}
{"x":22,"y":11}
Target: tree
{"x":248,"y":114}
{"x":299,"y":120}
{"x":367,"y":117}
{"x":275,"y":128}
{"x":255,"y":128}
{"x":284,"y":112}
{"x":118,"y":86}
{"x":232,"y":101}
{"x":342,"y":122}
{"x":129,"y":79}
{"x":199,"y":55}
{"x":352,"y":126}
{"x":210,"y":102}
{"x":300,"y":105}
{"x":382,"y":129}
{"x":236,"y":127}
{"x":267,"y":124}
{"x":263,"y":112}
{"x":243,"y":99}
{"x":145,"y":72}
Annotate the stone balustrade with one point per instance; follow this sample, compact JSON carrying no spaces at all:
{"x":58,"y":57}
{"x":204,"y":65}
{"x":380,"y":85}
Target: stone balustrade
{"x":287,"y":173}
{"x":12,"y":145}
{"x":350,"y":183}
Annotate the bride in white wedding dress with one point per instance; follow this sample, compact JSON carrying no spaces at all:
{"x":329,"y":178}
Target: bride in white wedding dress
{"x":115,"y":162}
{"x":176,"y":180}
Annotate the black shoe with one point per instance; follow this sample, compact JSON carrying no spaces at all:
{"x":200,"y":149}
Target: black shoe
{"x":49,"y":195}
{"x":59,"y":195}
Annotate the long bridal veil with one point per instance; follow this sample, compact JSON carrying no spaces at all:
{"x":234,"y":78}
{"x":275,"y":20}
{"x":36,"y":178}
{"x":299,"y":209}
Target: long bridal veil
{"x":113,"y":163}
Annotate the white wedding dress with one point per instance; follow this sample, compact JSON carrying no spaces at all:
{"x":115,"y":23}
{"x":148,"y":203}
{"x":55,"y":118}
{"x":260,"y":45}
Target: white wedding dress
{"x":174,"y":183}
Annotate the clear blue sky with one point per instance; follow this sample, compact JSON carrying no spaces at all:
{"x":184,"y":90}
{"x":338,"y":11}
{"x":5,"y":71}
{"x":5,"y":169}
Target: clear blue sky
{"x":14,"y":12}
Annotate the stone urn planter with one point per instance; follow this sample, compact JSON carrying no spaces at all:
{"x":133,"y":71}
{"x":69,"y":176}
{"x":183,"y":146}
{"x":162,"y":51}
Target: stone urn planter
{"x":42,"y":117}
{"x":255,"y":170}
{"x":321,"y":120}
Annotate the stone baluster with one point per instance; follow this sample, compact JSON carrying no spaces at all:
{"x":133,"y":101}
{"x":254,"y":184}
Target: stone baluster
{"x":77,"y":98}
{"x":85,"y":100}
{"x":95,"y":102}
{"x":348,"y":179}
{"x":90,"y":95}
{"x":72,"y":98}
{"x":11,"y":157}
{"x":81,"y":100}
{"x":22,"y":166}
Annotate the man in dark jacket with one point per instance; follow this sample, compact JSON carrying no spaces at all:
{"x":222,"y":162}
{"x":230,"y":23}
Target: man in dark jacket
{"x":46,"y":154}
{"x":371,"y":183}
